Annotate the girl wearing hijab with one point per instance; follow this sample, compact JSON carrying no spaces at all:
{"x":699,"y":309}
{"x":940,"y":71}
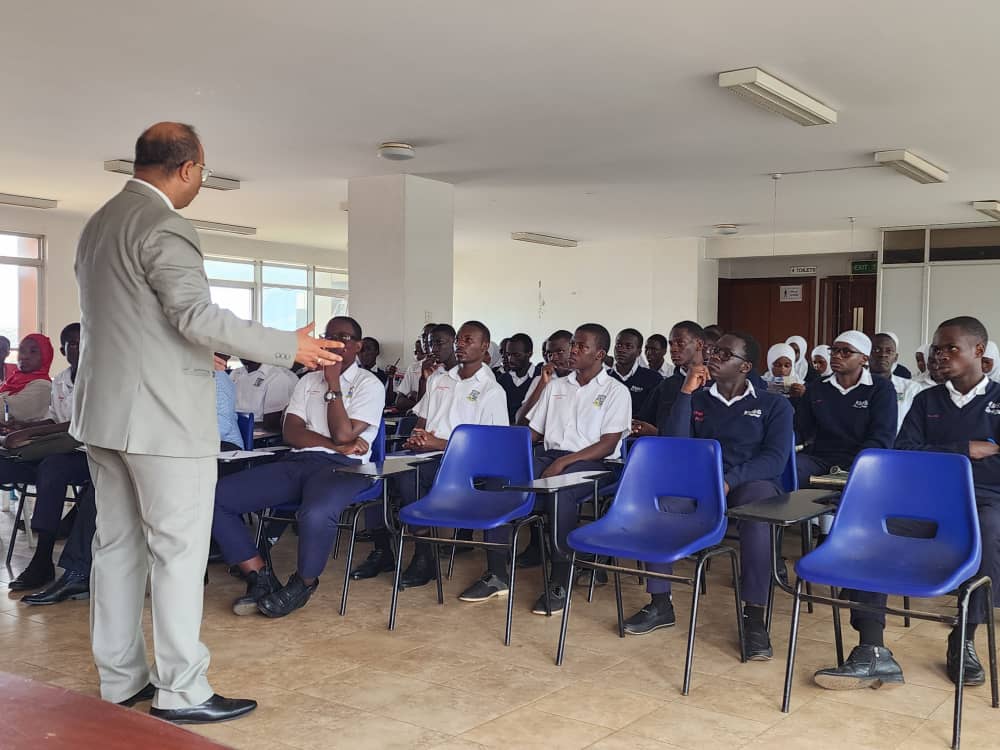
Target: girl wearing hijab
{"x":923,"y":359}
{"x":780,"y":373}
{"x":821,"y":360}
{"x":801,"y":364}
{"x":991,"y":361}
{"x":26,"y":394}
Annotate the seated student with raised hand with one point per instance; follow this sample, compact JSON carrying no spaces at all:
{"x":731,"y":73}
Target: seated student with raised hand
{"x":639,"y":380}
{"x":959,"y":416}
{"x":846,"y":413}
{"x":755,"y":432}
{"x":264,"y":391}
{"x":656,"y":355}
{"x":409,"y":384}
{"x":555,"y":352}
{"x":333,"y":417}
{"x":516,"y":377}
{"x":581,"y":420}
{"x":26,"y":394}
{"x":687,"y":345}
{"x":882,"y":364}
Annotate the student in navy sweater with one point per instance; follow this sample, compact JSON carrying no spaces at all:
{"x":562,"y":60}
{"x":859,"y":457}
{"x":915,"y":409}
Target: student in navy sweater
{"x":687,"y":344}
{"x":846,"y":413}
{"x":639,"y":380}
{"x":516,"y":377}
{"x":962,"y":415}
{"x":754,"y":428}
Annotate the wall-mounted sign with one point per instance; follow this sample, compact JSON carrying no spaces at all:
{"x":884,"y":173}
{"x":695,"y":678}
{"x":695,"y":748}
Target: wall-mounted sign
{"x":864,"y":266}
{"x":797,"y":270}
{"x":792,"y":293}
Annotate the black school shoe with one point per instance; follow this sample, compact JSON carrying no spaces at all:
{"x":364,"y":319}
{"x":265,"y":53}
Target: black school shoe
{"x":286,"y":600}
{"x":260,"y":583}
{"x":974,"y":672}
{"x":378,"y":561}
{"x":651,"y":618}
{"x":557,"y":602}
{"x":756,"y":641}
{"x":34,"y":576}
{"x":485,"y":588}
{"x":419,"y":572}
{"x":867,"y":667}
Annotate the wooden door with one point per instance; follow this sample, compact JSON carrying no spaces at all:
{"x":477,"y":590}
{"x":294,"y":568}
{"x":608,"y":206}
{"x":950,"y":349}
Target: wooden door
{"x":770,"y":310}
{"x":847,"y":302}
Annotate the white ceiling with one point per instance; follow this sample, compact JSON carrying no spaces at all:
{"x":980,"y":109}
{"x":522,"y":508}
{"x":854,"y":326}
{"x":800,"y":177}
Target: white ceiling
{"x":585,"y":118}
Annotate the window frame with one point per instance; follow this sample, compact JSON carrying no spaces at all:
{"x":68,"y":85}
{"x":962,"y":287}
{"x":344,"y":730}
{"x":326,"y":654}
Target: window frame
{"x":37,"y":263}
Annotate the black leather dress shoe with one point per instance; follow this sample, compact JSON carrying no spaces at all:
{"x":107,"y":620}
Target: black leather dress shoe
{"x":287,"y":599}
{"x":34,"y":577}
{"x":419,"y":572}
{"x":974,"y":672}
{"x":146,"y":694}
{"x":214,"y":709}
{"x":866,"y":667}
{"x":71,"y":585}
{"x":756,"y":640}
{"x":378,"y":561}
{"x":650,"y":618}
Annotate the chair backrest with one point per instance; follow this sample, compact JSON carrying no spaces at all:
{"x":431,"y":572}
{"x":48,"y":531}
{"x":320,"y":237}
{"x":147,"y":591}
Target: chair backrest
{"x":894,"y":486}
{"x":790,"y":475}
{"x":245,"y":422}
{"x":477,"y":452}
{"x":378,"y":447}
{"x":405,"y":425}
{"x":680,"y":476}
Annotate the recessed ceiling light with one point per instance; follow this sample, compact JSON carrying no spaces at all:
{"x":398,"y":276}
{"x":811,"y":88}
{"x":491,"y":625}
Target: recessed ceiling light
{"x":543,"y":239}
{"x":915,"y":167}
{"x":774,"y":95}
{"x":727,"y":229}
{"x":126,"y":166}
{"x":396,"y":151}
{"x":26,"y":201}
{"x":216,"y":226}
{"x":990,"y":208}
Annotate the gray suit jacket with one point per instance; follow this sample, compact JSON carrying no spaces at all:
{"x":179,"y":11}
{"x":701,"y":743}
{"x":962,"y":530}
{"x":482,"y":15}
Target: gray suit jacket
{"x":145,"y":383}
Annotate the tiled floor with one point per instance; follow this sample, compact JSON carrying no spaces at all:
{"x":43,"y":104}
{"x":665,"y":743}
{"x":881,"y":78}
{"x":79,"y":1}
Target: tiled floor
{"x":444,"y":679}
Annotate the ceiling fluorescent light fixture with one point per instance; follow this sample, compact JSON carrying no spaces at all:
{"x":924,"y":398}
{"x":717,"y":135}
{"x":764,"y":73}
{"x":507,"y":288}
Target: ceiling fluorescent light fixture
{"x":124,"y":166}
{"x":774,"y":95}
{"x":911,"y":165}
{"x":26,"y":202}
{"x":990,"y":208}
{"x":215,"y":226}
{"x":543,"y":239}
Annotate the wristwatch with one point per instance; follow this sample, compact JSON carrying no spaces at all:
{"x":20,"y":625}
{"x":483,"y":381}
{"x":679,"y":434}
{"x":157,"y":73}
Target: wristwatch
{"x":331,"y":396}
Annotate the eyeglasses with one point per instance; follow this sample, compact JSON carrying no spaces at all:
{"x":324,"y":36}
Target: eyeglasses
{"x":842,"y":351}
{"x":342,"y":337}
{"x":205,"y":172}
{"x":724,"y":355}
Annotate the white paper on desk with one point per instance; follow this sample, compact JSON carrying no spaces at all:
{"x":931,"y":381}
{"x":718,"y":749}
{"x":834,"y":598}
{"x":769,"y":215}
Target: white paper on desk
{"x":241,"y":455}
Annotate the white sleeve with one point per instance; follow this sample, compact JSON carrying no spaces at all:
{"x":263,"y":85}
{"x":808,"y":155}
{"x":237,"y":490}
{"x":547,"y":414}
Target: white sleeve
{"x":617,"y":415}
{"x":407,"y":384}
{"x":297,"y":405}
{"x":494,"y":409}
{"x":420,"y":408}
{"x":539,"y":412}
{"x":531,"y":388}
{"x":368,"y":402}
{"x":278,"y":393}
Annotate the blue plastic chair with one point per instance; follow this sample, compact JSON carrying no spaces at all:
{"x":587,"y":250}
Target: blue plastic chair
{"x":475,"y":452}
{"x":861,"y":553}
{"x":636,"y":527}
{"x":376,"y":494}
{"x":245,"y":422}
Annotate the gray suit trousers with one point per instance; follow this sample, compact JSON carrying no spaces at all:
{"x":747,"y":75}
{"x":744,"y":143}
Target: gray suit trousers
{"x":154,"y":518}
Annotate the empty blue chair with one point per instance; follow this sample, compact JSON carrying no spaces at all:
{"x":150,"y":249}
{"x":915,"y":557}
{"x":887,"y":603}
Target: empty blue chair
{"x":861,"y":553}
{"x":245,"y":422}
{"x":458,"y":500}
{"x":373,"y":495}
{"x":670,"y":504}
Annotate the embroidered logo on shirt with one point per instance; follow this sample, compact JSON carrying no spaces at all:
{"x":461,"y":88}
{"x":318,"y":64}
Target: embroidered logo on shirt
{"x":861,"y":404}
{"x":257,"y":382}
{"x":350,"y":393}
{"x":636,"y":388}
{"x":599,"y":401}
{"x":993,"y":407}
{"x":699,"y":416}
{"x":473,"y":396}
{"x":752,"y":413}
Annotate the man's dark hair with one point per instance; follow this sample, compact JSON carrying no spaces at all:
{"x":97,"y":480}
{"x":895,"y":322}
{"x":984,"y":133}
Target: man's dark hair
{"x":631,"y":332}
{"x":659,"y":338}
{"x":65,"y":333}
{"x":600,"y":332}
{"x":443,"y":328}
{"x":970,"y":327}
{"x":167,"y":151}
{"x":713,"y":332}
{"x":561,"y":335}
{"x":5,"y":340}
{"x":378,"y":347}
{"x":481,"y":327}
{"x":523,"y":339}
{"x":695,"y":330}
{"x":750,"y":347}
{"x":354,"y":324}
{"x":428,"y":327}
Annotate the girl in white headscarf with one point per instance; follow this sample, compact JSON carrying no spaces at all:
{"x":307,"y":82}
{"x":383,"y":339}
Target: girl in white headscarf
{"x":923,"y":360}
{"x":991,"y":361}
{"x":780,"y":373}
{"x":801,"y":363}
{"x":821,"y":360}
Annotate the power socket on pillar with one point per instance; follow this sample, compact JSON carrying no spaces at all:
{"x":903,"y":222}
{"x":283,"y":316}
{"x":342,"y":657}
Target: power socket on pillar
{"x":427,"y":316}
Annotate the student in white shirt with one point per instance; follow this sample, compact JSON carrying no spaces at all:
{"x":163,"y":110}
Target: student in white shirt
{"x":882,"y":363}
{"x":264,"y":391}
{"x":407,"y":388}
{"x":580,"y":420}
{"x":555,"y":352}
{"x":331,"y":421}
{"x":468,"y":393}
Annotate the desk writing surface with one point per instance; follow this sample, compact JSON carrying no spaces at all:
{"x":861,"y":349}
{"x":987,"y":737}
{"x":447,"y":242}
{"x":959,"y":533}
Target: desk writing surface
{"x":389,"y":467}
{"x":561,"y":482}
{"x":787,"y":509}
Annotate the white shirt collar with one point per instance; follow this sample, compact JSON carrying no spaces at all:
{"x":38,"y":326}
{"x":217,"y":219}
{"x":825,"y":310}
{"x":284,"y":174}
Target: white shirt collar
{"x":748,"y":391}
{"x":635,"y":367}
{"x":155,"y":190}
{"x":961,"y":399}
{"x":480,"y":373}
{"x":601,"y":378}
{"x":866,"y":379}
{"x":351,"y":373}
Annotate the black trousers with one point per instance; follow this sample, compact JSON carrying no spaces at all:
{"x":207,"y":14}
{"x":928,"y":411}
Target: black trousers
{"x":77,"y":554}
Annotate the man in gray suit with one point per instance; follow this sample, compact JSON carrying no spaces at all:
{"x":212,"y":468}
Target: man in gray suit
{"x":144,"y":407}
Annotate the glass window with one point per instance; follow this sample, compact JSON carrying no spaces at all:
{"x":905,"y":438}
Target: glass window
{"x":328,"y":307}
{"x":328,"y":278}
{"x":970,"y":243}
{"x":285,"y":308}
{"x":903,"y":246}
{"x":290,"y":275}
{"x":229,"y":270}
{"x":237,"y":300}
{"x":15,"y":246}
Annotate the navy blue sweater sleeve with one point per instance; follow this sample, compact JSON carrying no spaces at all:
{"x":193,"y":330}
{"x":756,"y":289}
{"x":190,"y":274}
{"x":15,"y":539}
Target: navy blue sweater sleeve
{"x":913,"y":436}
{"x":679,"y":422}
{"x":774,"y":451}
{"x":805,"y":420}
{"x":884,"y":410}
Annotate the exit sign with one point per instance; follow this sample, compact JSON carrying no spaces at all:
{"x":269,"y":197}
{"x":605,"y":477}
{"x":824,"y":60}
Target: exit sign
{"x":864,"y":266}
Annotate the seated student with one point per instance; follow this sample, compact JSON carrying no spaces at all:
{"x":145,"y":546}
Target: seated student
{"x":406,"y":389}
{"x":713,"y":333}
{"x":821,"y":360}
{"x":755,"y":432}
{"x":9,"y":368}
{"x":687,"y":344}
{"x":264,"y":391}
{"x":468,"y":393}
{"x":26,"y":395}
{"x":440,"y":357}
{"x":780,"y":376}
{"x":882,"y":364}
{"x":961,"y":417}
{"x":898,"y":369}
{"x":991,"y":362}
{"x":516,"y":377}
{"x":846,"y":413}
{"x":368,"y":358}
{"x":76,"y":557}
{"x":53,"y":474}
{"x":639,"y":380}
{"x":656,"y":355}
{"x":581,"y":420}
{"x":230,"y":437}
{"x":555,"y":352}
{"x":331,"y":421}
{"x":495,"y":357}
{"x":803,"y":371}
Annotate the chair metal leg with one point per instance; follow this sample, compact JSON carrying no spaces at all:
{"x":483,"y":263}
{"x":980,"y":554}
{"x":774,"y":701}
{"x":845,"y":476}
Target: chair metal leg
{"x":838,"y":635}
{"x":991,"y":633}
{"x":17,"y":517}
{"x":906,"y":605}
{"x":618,"y":599}
{"x":806,"y":548}
{"x":436,"y":552}
{"x":355,"y":514}
{"x":546,"y":582}
{"x":512,"y":553}
{"x":395,"y":579}
{"x":793,"y":637}
{"x":956,"y":730}
{"x":340,"y":529}
{"x":735,"y":563}
{"x":561,"y":649}
{"x":699,"y":574}
{"x":590,"y":585}
{"x":451,"y":557}
{"x":776,"y":558}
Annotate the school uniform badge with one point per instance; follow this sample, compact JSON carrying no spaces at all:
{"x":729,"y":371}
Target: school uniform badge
{"x":599,"y":401}
{"x":473,"y":396}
